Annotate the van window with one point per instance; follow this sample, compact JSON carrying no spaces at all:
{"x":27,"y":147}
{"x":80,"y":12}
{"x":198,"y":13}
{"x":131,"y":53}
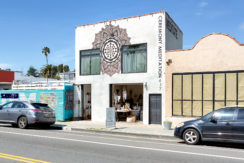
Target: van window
{"x":240,"y":114}
{"x":224,"y":114}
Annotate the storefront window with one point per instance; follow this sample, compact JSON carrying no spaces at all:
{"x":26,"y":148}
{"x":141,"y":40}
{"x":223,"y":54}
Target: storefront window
{"x":197,"y":94}
{"x":134,"y":58}
{"x":90,"y":62}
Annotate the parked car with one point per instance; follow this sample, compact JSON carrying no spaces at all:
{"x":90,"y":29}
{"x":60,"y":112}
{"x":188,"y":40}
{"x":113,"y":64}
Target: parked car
{"x":225,"y":125}
{"x":22,"y":114}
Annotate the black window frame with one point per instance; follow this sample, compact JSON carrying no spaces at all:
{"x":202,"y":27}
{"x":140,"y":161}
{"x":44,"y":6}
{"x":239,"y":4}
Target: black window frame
{"x":122,"y":58}
{"x":98,"y":54}
{"x":202,"y":100}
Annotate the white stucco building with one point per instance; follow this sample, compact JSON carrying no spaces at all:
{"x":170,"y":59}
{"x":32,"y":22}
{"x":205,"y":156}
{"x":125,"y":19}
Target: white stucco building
{"x":122,"y":63}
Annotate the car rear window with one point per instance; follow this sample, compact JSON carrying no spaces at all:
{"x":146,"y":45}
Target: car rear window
{"x":39,"y":105}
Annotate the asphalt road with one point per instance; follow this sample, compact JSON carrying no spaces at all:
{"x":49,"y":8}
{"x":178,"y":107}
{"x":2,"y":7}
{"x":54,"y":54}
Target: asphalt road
{"x":49,"y":145}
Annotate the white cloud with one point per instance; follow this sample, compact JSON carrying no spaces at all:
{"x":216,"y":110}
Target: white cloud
{"x":241,"y":26}
{"x":203,"y":4}
{"x":6,"y":66}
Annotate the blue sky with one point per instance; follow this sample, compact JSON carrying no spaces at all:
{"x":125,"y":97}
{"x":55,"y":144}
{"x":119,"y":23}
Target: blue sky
{"x":27,"y":26}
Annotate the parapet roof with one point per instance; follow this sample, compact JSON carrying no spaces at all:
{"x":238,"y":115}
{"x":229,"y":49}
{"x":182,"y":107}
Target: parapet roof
{"x":130,"y":18}
{"x":208,"y":35}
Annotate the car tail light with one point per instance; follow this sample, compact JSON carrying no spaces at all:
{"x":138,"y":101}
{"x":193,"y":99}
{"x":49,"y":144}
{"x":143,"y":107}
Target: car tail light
{"x":36,"y":110}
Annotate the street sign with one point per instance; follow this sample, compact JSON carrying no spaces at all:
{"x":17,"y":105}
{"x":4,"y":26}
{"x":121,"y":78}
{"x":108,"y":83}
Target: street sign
{"x":110,"y":117}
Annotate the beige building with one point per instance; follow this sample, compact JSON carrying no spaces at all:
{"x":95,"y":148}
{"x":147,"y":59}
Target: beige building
{"x":204,"y":78}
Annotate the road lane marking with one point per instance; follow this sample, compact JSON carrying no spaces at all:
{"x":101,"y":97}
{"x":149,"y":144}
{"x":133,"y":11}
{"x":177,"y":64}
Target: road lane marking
{"x":128,"y":146}
{"x":103,"y":134}
{"x":21,"y":159}
{"x":158,"y":143}
{"x":10,"y":158}
{"x":114,"y":137}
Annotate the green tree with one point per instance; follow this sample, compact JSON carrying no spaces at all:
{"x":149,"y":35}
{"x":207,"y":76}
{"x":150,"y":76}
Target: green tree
{"x":54,"y":71}
{"x":32,"y":72}
{"x":49,"y":71}
{"x":58,"y":77}
{"x":46,"y":71}
{"x":60,"y":68}
{"x":46,"y":51}
{"x":43,"y":71}
{"x":66,"y":68}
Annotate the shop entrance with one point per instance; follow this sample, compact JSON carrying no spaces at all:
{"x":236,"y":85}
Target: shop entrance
{"x":128,"y":101}
{"x":155,"y":109}
{"x":86,"y":102}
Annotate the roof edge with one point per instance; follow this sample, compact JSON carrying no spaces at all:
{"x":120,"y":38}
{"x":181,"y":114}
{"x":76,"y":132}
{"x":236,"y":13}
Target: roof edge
{"x":173,"y":21}
{"x":3,"y":83}
{"x":123,"y":18}
{"x":210,"y":34}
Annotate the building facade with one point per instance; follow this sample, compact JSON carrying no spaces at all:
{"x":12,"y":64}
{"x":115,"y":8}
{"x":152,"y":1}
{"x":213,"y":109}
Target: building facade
{"x":121,"y":63}
{"x":59,"y":96}
{"x":6,"y":79}
{"x":204,"y":78}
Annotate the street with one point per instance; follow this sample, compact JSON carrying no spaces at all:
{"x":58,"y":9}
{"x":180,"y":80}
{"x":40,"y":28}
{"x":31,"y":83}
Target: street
{"x":51,"y":145}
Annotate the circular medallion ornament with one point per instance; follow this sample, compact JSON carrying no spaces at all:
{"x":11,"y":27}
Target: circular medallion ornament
{"x":110,"y":50}
{"x":110,"y":40}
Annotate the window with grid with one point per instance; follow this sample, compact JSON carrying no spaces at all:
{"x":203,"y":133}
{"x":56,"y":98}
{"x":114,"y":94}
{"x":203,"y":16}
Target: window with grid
{"x":134,"y":58}
{"x":197,"y":94}
{"x":90,"y":62}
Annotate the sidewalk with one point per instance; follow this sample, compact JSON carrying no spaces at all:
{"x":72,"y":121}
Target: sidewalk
{"x":124,"y":128}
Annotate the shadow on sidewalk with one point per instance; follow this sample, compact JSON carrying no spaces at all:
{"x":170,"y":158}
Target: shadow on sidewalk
{"x":35,"y":127}
{"x":218,"y":144}
{"x":225,"y":144}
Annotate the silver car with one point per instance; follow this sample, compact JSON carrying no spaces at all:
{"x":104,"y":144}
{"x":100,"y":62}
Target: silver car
{"x":22,"y":114}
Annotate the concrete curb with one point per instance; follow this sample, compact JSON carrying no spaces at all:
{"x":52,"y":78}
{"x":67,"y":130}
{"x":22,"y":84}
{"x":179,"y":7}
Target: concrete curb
{"x":118,"y":133}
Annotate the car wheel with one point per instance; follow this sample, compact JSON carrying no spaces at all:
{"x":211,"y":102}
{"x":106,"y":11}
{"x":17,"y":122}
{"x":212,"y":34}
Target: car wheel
{"x":22,"y":122}
{"x":191,"y":136}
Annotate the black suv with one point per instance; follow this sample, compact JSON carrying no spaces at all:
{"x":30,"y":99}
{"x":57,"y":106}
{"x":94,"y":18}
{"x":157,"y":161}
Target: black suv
{"x":225,"y":124}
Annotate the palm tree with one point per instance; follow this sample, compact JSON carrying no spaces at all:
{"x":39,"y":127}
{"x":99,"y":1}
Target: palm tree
{"x":54,"y":71}
{"x":66,"y":68}
{"x":46,"y":51}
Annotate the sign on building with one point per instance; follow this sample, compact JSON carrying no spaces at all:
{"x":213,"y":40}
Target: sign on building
{"x":110,"y":117}
{"x":9,"y":95}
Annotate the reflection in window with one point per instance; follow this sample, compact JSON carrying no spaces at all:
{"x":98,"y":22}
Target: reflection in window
{"x":134,"y":58}
{"x":90,"y":62}
{"x":240,"y":114}
{"x":8,"y":105}
{"x":224,"y":114}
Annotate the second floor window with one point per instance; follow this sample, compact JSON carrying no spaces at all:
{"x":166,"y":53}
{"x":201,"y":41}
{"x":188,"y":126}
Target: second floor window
{"x":90,"y":62}
{"x":134,"y":58}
